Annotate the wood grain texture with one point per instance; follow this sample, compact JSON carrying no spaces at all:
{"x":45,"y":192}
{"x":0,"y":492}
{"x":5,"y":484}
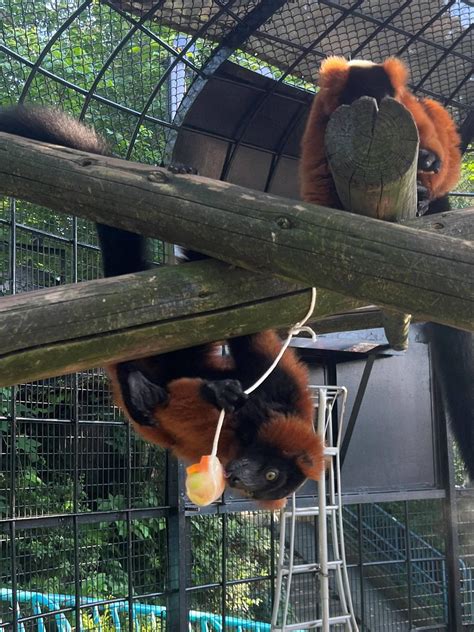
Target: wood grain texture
{"x":459,"y":223}
{"x":65,"y":329}
{"x":372,"y":154}
{"x":399,"y":267}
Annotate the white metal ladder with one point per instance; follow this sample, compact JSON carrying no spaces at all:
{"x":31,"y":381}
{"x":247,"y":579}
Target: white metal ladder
{"x":328,"y":512}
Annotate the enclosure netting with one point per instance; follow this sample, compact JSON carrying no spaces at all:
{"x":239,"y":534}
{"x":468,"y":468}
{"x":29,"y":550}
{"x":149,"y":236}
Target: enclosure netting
{"x":88,"y":510}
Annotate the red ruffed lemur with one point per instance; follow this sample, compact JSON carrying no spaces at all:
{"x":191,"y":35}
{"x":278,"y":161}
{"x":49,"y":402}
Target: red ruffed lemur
{"x":268,"y":445}
{"x":342,"y":82}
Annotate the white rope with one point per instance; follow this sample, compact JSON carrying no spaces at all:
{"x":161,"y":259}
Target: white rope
{"x":298,"y":328}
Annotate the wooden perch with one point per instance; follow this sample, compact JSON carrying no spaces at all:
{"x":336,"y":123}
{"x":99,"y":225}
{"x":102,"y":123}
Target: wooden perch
{"x":458,"y":223}
{"x":73,"y":327}
{"x":398,"y":267}
{"x":372,"y":154}
{"x":65,"y":329}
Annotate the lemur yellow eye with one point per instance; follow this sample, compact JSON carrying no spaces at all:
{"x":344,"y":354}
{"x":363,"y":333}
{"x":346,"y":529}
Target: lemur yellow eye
{"x":271,"y":475}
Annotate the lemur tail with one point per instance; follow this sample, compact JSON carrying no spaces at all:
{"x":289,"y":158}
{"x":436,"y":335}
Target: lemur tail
{"x":452,"y":352}
{"x":122,"y":251}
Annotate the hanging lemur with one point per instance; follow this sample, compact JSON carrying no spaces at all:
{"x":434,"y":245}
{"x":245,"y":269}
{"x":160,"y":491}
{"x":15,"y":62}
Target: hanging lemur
{"x":268,"y":445}
{"x":439,"y":161}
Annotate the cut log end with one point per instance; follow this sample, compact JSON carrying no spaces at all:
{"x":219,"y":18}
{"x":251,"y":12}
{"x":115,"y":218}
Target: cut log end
{"x":373,"y":153}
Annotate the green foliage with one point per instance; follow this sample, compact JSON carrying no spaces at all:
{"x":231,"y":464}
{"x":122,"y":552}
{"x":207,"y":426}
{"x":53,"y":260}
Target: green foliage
{"x":247,"y":553}
{"x":106,"y":623}
{"x":45,"y":559}
{"x":77,"y":56}
{"x":466,"y":183}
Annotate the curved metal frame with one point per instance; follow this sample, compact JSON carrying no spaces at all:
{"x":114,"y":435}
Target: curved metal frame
{"x":235,"y":39}
{"x":237,"y":36}
{"x":250,"y":117}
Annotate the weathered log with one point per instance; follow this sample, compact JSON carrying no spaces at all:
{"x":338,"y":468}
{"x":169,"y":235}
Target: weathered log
{"x":459,"y":223}
{"x":394,"y":266}
{"x":372,"y":153}
{"x":65,"y":329}
{"x":72,"y":327}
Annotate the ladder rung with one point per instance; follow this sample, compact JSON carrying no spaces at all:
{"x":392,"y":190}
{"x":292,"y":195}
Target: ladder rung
{"x":309,"y":568}
{"x":310,"y":511}
{"x":313,"y":625}
{"x":330,"y":451}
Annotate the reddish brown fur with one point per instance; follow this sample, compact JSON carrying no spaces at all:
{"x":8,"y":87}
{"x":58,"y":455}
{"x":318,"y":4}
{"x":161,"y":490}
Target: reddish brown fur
{"x":289,"y":435}
{"x":186,"y":424}
{"x":436,"y":129}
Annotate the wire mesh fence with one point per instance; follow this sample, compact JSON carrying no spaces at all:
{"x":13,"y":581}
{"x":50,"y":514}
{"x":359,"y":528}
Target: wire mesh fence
{"x":94,"y":533}
{"x":85,"y":506}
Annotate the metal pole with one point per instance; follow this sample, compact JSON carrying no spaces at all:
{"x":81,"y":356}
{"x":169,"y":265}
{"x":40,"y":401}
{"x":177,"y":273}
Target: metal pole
{"x":322,"y":524}
{"x":177,"y":612}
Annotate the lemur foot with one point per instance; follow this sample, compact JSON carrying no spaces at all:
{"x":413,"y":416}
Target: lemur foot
{"x":428,"y":161}
{"x":423,"y":199}
{"x":180,"y":169}
{"x":141,"y":396}
{"x":227,"y":394}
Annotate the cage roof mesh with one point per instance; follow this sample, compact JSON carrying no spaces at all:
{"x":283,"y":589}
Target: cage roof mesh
{"x":115,"y":63}
{"x":434,"y":37}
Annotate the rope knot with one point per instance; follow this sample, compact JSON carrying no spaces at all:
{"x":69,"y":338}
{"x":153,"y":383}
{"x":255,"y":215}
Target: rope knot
{"x":299,"y":328}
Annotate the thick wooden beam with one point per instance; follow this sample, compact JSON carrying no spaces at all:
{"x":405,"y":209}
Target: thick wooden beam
{"x":65,"y":329}
{"x":394,"y":266}
{"x":73,"y":327}
{"x":372,"y":153}
{"x":458,"y":223}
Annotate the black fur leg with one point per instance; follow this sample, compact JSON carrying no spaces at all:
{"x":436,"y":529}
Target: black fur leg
{"x":423,"y":199}
{"x":227,"y":394}
{"x":140,"y":395}
{"x":428,"y":161}
{"x":452,"y":354}
{"x":122,"y":252}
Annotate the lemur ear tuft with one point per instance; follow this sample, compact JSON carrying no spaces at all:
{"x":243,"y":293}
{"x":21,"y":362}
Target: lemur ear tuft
{"x":397,"y":72}
{"x":333,"y":73}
